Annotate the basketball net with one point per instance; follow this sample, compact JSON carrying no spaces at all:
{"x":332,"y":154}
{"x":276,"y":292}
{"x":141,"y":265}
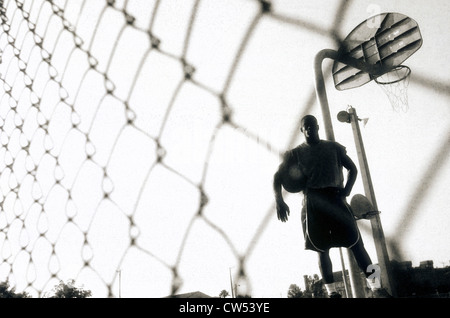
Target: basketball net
{"x":395,"y":85}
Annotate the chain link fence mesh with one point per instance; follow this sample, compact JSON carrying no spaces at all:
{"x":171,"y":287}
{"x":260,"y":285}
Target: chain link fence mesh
{"x":115,"y":139}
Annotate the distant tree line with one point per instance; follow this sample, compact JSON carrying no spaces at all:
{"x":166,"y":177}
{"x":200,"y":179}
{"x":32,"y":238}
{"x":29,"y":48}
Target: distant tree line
{"x":62,"y":290}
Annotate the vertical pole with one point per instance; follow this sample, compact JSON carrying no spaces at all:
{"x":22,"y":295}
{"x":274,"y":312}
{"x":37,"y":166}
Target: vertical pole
{"x":344,"y":275}
{"x":231,"y":284}
{"x":377,"y":229}
{"x":355,"y":278}
{"x":120,"y":283}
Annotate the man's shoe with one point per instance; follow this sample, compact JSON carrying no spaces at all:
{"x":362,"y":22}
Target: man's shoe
{"x":335,"y":295}
{"x":381,"y":293}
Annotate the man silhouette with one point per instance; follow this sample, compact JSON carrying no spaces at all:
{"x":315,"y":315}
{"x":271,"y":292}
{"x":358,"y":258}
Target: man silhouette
{"x":327,"y":219}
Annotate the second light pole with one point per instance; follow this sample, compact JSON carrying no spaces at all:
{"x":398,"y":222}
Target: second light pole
{"x":350,"y":116}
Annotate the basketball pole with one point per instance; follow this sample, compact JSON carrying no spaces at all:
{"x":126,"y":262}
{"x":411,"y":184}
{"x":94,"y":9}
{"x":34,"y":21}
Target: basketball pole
{"x":356,"y":279}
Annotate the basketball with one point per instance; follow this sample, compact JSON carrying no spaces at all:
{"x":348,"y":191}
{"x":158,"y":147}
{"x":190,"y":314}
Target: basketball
{"x":293,"y":179}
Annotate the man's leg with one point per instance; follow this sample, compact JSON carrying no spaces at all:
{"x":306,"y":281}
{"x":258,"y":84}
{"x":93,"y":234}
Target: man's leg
{"x":366,"y":266}
{"x":362,"y":257}
{"x":326,"y":270}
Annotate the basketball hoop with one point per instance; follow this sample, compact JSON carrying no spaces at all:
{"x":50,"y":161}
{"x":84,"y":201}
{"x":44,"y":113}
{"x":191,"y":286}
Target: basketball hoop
{"x":395,"y":85}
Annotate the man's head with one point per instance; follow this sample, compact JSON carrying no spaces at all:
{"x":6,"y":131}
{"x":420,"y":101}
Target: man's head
{"x":310,"y":128}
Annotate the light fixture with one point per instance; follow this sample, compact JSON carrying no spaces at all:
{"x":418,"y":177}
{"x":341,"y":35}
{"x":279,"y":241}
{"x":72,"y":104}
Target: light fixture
{"x":343,"y":116}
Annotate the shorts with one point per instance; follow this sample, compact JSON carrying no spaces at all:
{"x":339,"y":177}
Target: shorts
{"x":327,"y":220}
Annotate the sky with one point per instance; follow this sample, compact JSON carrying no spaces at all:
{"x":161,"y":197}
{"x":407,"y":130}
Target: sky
{"x":87,"y":186}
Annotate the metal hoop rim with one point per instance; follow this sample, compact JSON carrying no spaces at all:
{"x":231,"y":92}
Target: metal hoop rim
{"x":408,"y":72}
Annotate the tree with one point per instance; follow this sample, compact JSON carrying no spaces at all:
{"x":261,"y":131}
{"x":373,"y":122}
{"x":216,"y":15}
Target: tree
{"x":223,"y":294}
{"x":295,"y":291}
{"x":7,"y":292}
{"x":68,"y":290}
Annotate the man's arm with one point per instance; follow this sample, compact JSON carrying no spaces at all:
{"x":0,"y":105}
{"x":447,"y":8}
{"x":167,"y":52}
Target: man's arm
{"x":281,"y":206}
{"x":277,"y":186}
{"x":348,"y":163}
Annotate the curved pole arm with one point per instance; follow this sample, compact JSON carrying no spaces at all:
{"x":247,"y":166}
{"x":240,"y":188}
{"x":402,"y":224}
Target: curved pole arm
{"x":320,"y":83}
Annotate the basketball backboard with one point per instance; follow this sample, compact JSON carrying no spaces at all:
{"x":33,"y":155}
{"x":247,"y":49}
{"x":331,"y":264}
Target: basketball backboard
{"x":387,"y":39}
